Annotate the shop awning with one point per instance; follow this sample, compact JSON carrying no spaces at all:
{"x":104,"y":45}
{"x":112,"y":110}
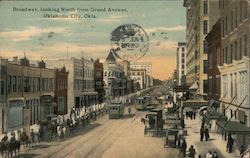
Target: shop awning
{"x":215,"y":116}
{"x":194,"y":103}
{"x":233,"y":127}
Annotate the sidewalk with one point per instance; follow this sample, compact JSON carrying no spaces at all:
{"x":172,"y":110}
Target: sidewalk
{"x":215,"y":142}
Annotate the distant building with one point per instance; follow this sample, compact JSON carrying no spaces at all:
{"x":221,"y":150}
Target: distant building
{"x":98,"y":79}
{"x":146,"y":66}
{"x":139,"y":76}
{"x":115,"y":81}
{"x":181,"y":63}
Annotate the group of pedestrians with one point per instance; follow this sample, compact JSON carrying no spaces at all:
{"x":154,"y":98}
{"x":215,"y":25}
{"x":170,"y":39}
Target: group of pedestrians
{"x":204,"y":132}
{"x":191,"y":114}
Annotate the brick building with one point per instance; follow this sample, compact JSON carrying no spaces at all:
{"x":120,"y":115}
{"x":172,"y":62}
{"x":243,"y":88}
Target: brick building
{"x":61,"y":88}
{"x":214,"y":59}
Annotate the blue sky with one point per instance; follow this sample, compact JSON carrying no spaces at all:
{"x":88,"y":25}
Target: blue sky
{"x":31,"y":32}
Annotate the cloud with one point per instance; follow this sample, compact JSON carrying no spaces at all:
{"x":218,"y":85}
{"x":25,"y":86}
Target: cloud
{"x":111,"y":19}
{"x":167,"y":29}
{"x":162,"y":46}
{"x":29,"y":32}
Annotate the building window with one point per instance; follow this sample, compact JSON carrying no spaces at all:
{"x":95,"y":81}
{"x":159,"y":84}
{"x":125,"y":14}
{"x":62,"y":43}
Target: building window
{"x":226,"y":55}
{"x":218,"y":85}
{"x":245,"y":10}
{"x":210,"y":60}
{"x":26,"y":84}
{"x":14,"y":84}
{"x":205,"y":86}
{"x":235,"y":52}
{"x":245,"y":48}
{"x":2,"y":88}
{"x":226,"y":26}
{"x":236,"y":18}
{"x":205,"y":46}
{"x":9,"y":84}
{"x":222,"y":27}
{"x":218,"y":57}
{"x":205,"y":66}
{"x":231,"y":55}
{"x":182,"y":49}
{"x":232,"y":21}
{"x":205,"y":7}
{"x":240,"y":11}
{"x":205,"y":27}
{"x":240,"y":51}
{"x":183,"y":55}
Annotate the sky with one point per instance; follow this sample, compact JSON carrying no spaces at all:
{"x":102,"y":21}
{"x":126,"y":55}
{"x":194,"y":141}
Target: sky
{"x":25,"y":28}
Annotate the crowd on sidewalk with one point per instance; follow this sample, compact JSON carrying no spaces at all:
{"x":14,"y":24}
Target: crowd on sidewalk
{"x":202,"y":144}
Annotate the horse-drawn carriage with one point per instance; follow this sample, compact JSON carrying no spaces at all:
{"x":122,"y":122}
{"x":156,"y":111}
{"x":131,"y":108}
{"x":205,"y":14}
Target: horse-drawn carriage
{"x":154,"y":122}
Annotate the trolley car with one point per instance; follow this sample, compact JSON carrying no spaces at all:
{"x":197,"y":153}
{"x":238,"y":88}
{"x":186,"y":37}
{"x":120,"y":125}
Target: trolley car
{"x":116,"y":110}
{"x":141,"y":103}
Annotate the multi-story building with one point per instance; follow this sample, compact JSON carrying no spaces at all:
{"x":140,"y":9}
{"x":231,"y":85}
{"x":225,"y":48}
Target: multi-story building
{"x":181,"y":63}
{"x":3,"y":94}
{"x":147,"y":67}
{"x":27,"y":87}
{"x":235,"y":69}
{"x":139,"y":76}
{"x":98,"y":78}
{"x":214,"y":60}
{"x":81,"y":92}
{"x":201,"y":16}
{"x":115,"y":81}
{"x":61,"y":88}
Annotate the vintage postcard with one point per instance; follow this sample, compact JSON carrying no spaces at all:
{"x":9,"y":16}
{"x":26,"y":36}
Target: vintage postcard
{"x":125,"y":78}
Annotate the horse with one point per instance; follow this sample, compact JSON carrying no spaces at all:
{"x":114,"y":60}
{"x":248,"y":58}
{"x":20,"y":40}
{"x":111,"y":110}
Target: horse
{"x":14,"y":147}
{"x":3,"y":147}
{"x":24,"y":140}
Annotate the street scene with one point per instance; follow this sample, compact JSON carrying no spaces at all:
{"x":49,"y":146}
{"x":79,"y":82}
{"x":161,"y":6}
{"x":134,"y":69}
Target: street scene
{"x":125,"y":79}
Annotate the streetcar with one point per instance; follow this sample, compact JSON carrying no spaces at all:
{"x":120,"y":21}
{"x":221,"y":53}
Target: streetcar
{"x":116,"y":110}
{"x":141,"y":103}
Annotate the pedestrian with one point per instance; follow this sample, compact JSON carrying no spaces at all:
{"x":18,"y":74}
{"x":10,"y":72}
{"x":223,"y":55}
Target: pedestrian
{"x":191,"y":151}
{"x":184,"y":147}
{"x":32,"y":136}
{"x":191,"y":115}
{"x":206,"y":131}
{"x":186,"y":114}
{"x":129,"y":110}
{"x":230,"y":142}
{"x":242,"y":149}
{"x":5,"y":138}
{"x":201,"y":134}
{"x":194,"y":114}
{"x":209,"y":155}
{"x":215,"y":155}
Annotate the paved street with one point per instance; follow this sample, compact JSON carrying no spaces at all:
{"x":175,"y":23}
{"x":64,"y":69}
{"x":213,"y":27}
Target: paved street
{"x":123,"y":138}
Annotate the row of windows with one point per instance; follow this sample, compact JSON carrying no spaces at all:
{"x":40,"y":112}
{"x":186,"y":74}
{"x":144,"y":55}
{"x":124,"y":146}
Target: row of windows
{"x":235,"y":51}
{"x":81,"y":85}
{"x":29,"y":84}
{"x":61,"y":84}
{"x":237,"y":15}
{"x":235,"y":85}
{"x":216,"y":85}
{"x":86,"y":72}
{"x":113,"y":74}
{"x":217,"y":56}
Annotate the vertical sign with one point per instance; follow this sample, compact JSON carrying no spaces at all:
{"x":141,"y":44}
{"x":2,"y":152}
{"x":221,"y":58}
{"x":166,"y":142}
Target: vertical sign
{"x":26,"y":120}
